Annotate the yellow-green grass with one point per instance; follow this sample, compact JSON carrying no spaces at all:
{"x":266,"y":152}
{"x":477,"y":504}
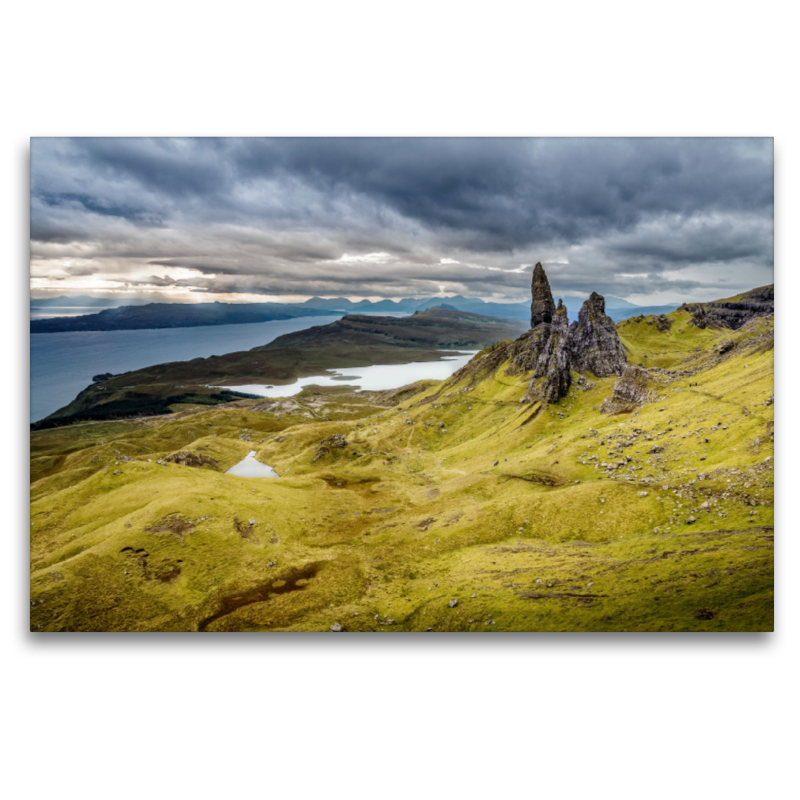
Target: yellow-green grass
{"x":650,"y":347}
{"x":408,"y":517}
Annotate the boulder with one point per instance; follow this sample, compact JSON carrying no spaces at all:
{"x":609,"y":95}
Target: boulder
{"x":663,"y":323}
{"x":630,"y":391}
{"x":336,"y":441}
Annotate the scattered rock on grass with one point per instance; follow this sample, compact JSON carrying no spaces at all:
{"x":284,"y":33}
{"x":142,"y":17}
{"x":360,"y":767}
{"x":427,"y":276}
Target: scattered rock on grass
{"x":336,"y":441}
{"x":188,"y":459}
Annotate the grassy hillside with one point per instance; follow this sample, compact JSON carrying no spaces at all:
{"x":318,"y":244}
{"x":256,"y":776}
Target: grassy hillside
{"x":453,"y":506}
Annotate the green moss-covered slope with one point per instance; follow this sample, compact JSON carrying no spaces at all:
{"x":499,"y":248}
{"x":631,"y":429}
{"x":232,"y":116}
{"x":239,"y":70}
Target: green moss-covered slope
{"x":528,"y":516}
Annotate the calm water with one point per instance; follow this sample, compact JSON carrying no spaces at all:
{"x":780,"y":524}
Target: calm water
{"x":250,"y":467}
{"x":62,"y":364}
{"x":375,"y":378}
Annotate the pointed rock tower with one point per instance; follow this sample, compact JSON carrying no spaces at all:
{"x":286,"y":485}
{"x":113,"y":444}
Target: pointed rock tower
{"x":595,"y":344}
{"x":542,"y":306}
{"x":545,"y":348}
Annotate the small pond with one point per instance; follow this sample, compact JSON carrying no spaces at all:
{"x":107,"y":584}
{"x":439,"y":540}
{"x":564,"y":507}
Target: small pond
{"x":249,"y":467}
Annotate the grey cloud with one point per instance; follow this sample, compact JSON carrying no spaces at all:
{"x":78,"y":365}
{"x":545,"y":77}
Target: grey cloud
{"x":278,"y":214}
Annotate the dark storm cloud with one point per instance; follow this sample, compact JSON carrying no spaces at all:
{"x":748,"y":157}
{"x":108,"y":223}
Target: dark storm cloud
{"x":175,"y":168}
{"x":380,"y":216}
{"x":92,"y":204}
{"x":505,"y":193}
{"x":713,"y":241}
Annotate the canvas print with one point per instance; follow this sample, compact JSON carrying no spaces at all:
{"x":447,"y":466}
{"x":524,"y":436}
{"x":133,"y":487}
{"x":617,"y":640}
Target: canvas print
{"x":401,"y":385}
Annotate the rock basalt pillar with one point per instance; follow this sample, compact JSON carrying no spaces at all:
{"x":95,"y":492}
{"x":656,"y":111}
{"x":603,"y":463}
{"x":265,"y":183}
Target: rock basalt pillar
{"x":542,"y":306}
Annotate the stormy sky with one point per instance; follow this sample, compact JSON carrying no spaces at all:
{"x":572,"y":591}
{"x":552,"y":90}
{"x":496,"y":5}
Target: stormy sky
{"x":650,"y":220}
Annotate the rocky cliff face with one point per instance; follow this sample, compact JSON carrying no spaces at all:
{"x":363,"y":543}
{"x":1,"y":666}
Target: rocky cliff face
{"x":758,"y":302}
{"x":595,"y":344}
{"x":542,"y":306}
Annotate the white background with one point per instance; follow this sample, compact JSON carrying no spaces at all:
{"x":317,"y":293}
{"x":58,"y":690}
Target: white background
{"x":597,"y":716}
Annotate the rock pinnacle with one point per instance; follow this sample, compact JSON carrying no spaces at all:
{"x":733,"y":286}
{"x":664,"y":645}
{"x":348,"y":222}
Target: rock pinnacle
{"x":542,"y":306}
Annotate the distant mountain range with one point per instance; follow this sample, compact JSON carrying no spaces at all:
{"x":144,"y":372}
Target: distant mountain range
{"x":84,"y":301}
{"x":472,"y":305}
{"x":182,"y":315}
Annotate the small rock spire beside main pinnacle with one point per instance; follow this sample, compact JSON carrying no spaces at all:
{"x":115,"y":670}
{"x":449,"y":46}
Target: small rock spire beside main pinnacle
{"x":542,"y":305}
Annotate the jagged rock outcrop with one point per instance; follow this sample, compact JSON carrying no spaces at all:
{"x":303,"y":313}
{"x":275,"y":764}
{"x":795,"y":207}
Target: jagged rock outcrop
{"x":553,"y":347}
{"x":545,"y":348}
{"x":542,"y":306}
{"x":630,"y":390}
{"x":594,"y":342}
{"x":521,"y":351}
{"x":553,"y":362}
